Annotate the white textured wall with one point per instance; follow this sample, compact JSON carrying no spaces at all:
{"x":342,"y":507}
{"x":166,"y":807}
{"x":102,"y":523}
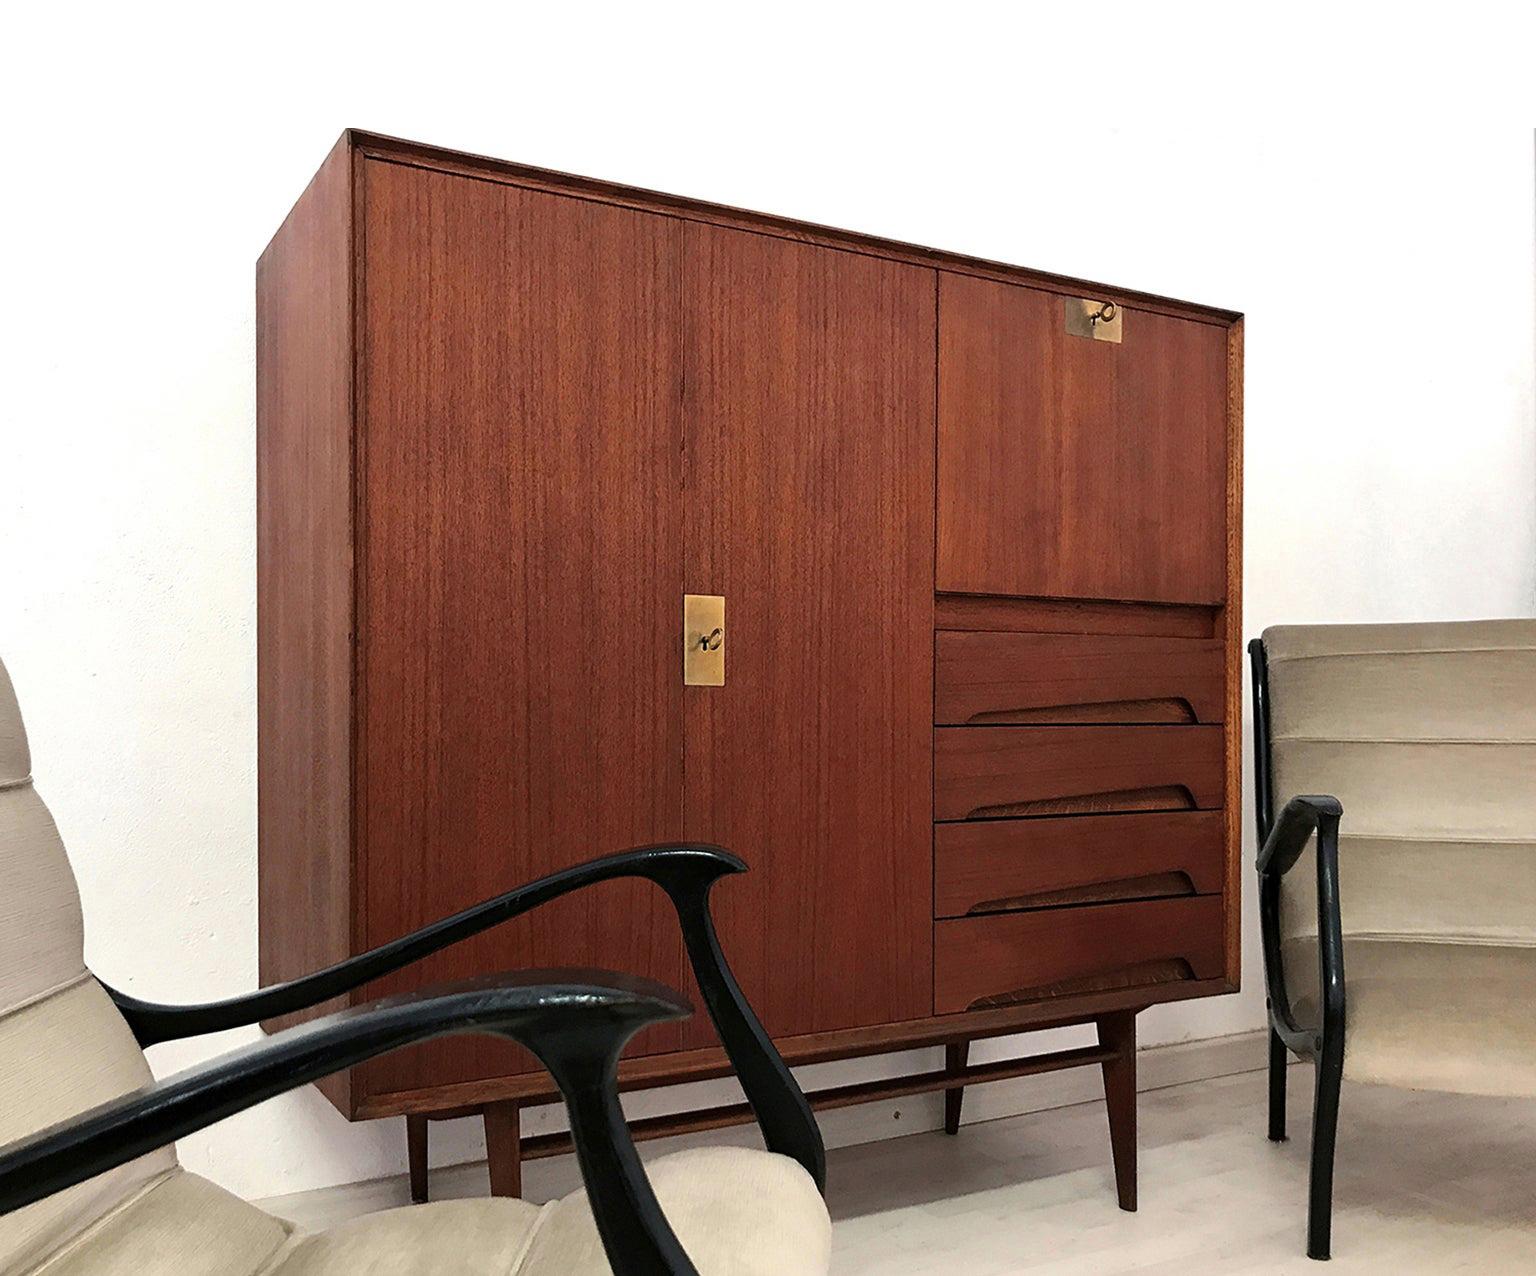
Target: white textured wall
{"x":1363,"y":190}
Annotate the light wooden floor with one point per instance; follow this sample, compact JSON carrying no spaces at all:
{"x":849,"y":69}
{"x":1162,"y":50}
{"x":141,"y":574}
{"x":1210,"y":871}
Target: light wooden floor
{"x":1426,"y":1183}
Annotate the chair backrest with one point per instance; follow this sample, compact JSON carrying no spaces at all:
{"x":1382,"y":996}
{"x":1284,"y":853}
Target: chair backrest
{"x":63,"y":1046}
{"x":1427,"y":734}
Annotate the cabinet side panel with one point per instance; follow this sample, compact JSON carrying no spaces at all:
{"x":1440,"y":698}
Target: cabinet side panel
{"x":304,"y":582}
{"x":1232,"y":619}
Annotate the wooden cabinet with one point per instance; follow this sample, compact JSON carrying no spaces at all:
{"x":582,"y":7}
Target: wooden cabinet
{"x":977,"y":737}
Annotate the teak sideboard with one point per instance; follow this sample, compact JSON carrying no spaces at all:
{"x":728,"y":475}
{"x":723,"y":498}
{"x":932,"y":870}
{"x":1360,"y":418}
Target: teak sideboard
{"x":591,"y":517}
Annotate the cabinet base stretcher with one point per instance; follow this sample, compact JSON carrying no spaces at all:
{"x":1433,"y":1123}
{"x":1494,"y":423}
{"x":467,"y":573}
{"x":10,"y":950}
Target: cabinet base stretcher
{"x":1115,"y":1053}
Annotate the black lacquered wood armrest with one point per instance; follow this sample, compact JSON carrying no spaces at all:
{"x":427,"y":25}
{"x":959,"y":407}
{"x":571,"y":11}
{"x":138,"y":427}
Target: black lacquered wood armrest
{"x":669,"y":866}
{"x":685,"y":871}
{"x":576,"y":1022}
{"x":1300,"y":818}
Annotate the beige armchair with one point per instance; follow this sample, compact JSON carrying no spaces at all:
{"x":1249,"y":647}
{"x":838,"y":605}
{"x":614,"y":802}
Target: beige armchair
{"x":89,"y":1185}
{"x":1396,"y":787}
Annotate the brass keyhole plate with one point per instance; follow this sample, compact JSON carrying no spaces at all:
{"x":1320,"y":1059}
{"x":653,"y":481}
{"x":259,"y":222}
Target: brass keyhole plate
{"x":703,"y":640}
{"x":1095,"y":318}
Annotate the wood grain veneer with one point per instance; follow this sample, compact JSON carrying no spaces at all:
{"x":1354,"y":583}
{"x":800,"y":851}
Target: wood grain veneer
{"x":488,"y":168}
{"x":1038,"y":955}
{"x":809,"y":404}
{"x":304,"y":587}
{"x":994,"y":772}
{"x":1075,"y":616}
{"x":1001,"y":678}
{"x":991,"y":865}
{"x":709,"y":1063}
{"x":1108,"y":461}
{"x":1231,"y":631}
{"x":518,"y":635}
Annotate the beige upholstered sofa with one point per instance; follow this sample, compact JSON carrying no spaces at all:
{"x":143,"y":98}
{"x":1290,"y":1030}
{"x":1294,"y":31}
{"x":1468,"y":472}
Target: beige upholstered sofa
{"x":65,"y":1047}
{"x":1417,"y":746}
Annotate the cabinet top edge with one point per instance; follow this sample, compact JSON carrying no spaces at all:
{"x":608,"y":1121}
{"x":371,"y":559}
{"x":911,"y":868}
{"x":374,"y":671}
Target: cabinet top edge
{"x":401,"y":150}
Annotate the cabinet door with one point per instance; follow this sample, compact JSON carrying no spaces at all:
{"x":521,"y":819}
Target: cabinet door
{"x":809,"y":442}
{"x":1073,"y":468}
{"x":519,"y":454}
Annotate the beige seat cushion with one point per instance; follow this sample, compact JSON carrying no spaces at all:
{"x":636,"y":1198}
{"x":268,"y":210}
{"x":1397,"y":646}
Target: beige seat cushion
{"x":445,"y":1238}
{"x":184,"y":1225}
{"x":1431,"y":1016}
{"x":737,"y":1212}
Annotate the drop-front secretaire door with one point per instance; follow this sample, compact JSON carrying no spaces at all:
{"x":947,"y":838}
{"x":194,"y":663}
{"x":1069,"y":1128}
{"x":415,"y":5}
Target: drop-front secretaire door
{"x":1076,"y":468}
{"x":520,"y":574}
{"x":808,"y":504}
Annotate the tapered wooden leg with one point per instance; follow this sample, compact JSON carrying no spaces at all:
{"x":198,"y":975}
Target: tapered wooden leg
{"x":1117,"y":1032}
{"x":504,"y":1148}
{"x":955,"y":1056}
{"x":416,"y":1154}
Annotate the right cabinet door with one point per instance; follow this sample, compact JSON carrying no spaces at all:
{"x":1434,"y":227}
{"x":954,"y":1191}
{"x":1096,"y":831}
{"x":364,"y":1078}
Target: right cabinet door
{"x":1074,"y":468}
{"x":808,"y":483}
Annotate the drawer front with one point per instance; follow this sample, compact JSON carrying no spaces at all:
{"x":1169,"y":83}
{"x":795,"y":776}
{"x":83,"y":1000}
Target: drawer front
{"x":996,"y":772}
{"x":1013,"y":958}
{"x":1064,"y":678}
{"x":992,"y":866}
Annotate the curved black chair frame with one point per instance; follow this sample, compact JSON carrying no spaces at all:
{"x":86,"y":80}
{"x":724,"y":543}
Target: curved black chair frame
{"x":576,"y":1022}
{"x":1281,"y":842}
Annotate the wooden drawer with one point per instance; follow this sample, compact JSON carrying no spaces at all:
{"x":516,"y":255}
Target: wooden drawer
{"x":1011,"y":958}
{"x":994,"y":772}
{"x":991,"y":866}
{"x":1055,"y":678}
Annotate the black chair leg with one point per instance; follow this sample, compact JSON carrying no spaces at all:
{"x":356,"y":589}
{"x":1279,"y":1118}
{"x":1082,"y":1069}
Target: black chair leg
{"x":1279,"y":1057}
{"x":1325,"y":1128}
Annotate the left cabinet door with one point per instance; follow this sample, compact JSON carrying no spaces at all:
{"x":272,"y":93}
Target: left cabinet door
{"x":519,"y":575}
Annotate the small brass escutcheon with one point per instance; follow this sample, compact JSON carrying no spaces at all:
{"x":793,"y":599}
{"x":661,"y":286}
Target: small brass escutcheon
{"x":1096,"y":320}
{"x":703,"y":640}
